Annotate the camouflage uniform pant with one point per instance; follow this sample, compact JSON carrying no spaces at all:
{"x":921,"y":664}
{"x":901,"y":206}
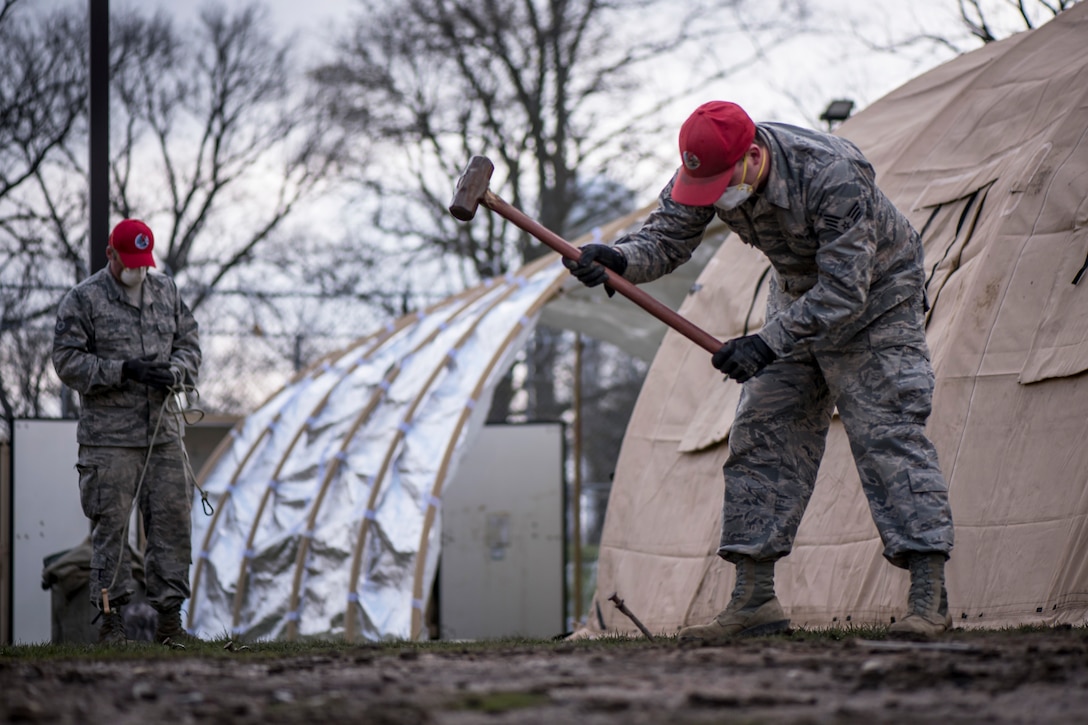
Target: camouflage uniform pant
{"x":108,"y":477}
{"x":882,"y":383}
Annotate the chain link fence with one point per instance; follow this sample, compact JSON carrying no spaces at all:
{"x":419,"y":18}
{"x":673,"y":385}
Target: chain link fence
{"x":252,"y":344}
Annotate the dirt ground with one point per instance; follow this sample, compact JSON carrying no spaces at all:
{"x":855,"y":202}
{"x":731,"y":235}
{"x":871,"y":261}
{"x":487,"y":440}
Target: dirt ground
{"x":967,"y":677}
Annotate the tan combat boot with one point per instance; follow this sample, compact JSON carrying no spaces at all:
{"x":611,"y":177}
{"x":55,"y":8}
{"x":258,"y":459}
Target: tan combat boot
{"x":753,"y":611}
{"x":170,"y":632}
{"x":112,"y":630}
{"x":927,"y":602}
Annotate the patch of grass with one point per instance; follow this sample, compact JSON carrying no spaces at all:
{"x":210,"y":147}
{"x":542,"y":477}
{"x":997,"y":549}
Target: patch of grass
{"x":361,"y":651}
{"x":131,"y":650}
{"x":224,"y":647}
{"x":839,"y":634}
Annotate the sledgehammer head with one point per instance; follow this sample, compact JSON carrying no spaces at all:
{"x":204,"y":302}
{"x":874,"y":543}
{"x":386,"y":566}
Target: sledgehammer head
{"x":471,"y":188}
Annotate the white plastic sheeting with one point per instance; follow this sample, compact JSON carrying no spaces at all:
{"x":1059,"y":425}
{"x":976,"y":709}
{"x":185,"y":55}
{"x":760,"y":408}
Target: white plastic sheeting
{"x":328,"y":498}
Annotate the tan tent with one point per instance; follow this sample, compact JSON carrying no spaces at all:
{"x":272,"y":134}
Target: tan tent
{"x":988,"y":156}
{"x":328,"y":497}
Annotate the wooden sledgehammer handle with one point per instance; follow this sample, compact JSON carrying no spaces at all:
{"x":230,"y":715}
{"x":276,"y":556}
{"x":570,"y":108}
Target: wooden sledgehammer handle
{"x":472,"y":190}
{"x":628,"y":289}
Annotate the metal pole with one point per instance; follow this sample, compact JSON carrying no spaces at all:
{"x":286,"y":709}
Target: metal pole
{"x":98,"y":227}
{"x":577,"y":494}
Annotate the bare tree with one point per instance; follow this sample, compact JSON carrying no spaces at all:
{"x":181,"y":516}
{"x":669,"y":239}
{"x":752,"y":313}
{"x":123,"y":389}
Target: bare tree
{"x":545,"y":89}
{"x":42,"y":92}
{"x":42,"y":100}
{"x":234,"y":150}
{"x":213,"y":143}
{"x":990,"y":20}
{"x":969,"y":23}
{"x":553,"y":92}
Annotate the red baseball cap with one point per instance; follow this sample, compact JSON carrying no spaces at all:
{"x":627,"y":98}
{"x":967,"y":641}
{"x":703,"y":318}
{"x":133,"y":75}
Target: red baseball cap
{"x":133,"y":242}
{"x":713,"y":139}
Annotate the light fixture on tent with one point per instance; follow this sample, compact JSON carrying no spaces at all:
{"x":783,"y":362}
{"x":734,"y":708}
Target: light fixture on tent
{"x":837,"y":111}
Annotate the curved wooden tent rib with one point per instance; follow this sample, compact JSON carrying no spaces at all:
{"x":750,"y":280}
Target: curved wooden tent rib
{"x":254,"y":526}
{"x":451,"y":446}
{"x":257,"y":455}
{"x":224,"y":445}
{"x":381,"y":338}
{"x":228,"y":440}
{"x":364,"y":529}
{"x":375,"y":399}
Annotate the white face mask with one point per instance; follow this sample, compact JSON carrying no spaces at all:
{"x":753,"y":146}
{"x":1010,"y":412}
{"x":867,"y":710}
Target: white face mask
{"x":734,"y":196}
{"x":133,"y":277}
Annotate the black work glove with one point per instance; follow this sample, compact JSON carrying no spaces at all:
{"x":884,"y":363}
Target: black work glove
{"x":591,"y":274}
{"x":743,"y":357}
{"x":145,"y":370}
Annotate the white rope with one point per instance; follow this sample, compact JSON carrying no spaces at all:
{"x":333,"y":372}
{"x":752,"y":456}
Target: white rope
{"x":172,"y":404}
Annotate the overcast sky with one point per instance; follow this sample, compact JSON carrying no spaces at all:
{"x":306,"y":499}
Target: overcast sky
{"x":793,"y":82}
{"x":825,"y":65}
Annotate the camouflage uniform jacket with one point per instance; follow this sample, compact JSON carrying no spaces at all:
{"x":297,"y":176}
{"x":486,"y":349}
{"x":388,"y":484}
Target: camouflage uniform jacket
{"x":97,"y":330}
{"x":841,"y":252}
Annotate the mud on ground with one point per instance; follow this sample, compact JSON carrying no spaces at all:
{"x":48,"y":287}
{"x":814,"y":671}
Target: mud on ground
{"x":967,"y":677}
